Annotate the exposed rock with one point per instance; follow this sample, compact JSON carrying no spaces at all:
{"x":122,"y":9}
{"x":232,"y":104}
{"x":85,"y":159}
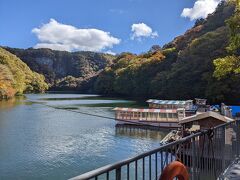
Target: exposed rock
{"x":57,"y":65}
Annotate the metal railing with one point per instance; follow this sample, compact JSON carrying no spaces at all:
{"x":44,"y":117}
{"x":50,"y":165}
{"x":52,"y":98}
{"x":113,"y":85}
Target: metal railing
{"x":205,"y":154}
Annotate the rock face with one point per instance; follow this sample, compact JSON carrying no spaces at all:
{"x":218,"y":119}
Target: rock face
{"x":57,"y":65}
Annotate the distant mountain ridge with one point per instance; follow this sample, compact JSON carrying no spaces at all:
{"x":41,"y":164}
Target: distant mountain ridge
{"x":181,"y":69}
{"x":59,"y":66}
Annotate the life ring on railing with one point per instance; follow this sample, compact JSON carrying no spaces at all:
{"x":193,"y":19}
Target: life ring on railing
{"x":175,"y":170}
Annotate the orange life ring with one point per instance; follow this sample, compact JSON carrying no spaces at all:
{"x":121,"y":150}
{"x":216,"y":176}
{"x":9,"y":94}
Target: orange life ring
{"x":175,"y":170}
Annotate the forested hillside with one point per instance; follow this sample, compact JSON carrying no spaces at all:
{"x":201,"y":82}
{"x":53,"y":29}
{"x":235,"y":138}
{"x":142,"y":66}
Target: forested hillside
{"x":203,"y":63}
{"x":17,"y":78}
{"x":184,"y":68}
{"x":64,"y":70}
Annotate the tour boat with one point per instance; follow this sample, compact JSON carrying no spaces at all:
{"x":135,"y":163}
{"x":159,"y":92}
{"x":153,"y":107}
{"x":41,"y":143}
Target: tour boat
{"x":161,"y":113}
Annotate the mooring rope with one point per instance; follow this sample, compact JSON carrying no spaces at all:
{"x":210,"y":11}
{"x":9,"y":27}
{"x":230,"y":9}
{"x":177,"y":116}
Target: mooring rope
{"x":70,"y":110}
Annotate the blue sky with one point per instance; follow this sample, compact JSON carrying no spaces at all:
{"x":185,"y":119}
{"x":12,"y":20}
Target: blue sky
{"x":98,"y":25}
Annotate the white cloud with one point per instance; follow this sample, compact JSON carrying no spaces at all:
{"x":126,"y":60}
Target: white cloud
{"x":200,"y":9}
{"x":110,"y":52}
{"x":141,"y":30}
{"x":57,"y":36}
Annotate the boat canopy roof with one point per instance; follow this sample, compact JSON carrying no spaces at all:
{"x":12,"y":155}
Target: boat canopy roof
{"x":168,"y":102}
{"x":146,"y":110}
{"x":200,"y":116}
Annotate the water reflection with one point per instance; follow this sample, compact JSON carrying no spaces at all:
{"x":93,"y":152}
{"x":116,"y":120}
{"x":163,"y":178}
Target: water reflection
{"x":40,"y":142}
{"x":140,"y":133}
{"x":10,"y":103}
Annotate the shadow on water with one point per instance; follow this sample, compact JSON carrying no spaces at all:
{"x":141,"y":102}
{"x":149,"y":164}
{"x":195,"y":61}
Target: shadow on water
{"x":73,"y":98}
{"x":84,"y":97}
{"x":131,"y":104}
{"x":140,"y":132}
{"x":95,"y":97}
{"x":95,"y":101}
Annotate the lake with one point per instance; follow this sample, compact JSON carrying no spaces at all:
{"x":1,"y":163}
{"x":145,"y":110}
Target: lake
{"x":38,"y":141}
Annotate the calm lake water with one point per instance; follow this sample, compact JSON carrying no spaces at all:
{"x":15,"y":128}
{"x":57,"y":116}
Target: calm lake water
{"x":41,"y":142}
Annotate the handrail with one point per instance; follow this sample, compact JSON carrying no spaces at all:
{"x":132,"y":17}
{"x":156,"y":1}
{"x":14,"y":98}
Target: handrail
{"x":108,"y":168}
{"x":111,"y":167}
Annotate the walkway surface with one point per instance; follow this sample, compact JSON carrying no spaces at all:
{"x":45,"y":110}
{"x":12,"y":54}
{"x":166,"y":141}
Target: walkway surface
{"x":232,"y":172}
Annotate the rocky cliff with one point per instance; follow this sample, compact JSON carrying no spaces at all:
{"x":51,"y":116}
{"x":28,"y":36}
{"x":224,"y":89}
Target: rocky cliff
{"x":62,"y":68}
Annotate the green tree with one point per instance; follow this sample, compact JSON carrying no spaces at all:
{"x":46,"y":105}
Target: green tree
{"x":234,"y":25}
{"x":230,"y":65}
{"x":17,"y":77}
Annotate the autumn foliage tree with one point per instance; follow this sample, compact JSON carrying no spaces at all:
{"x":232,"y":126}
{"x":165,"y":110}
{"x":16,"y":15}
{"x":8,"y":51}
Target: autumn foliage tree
{"x":17,"y":78}
{"x":185,"y":67}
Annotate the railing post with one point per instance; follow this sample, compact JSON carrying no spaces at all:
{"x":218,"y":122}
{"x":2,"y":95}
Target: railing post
{"x":193,"y":159}
{"x":237,"y":137}
{"x":223,"y":147}
{"x":118,"y":173}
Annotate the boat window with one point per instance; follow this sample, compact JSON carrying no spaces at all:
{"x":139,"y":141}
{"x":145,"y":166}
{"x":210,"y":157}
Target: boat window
{"x":150,"y":115}
{"x":143,"y":114}
{"x":135,"y":114}
{"x":138,"y":114}
{"x":155,"y":115}
{"x":122,"y":114}
{"x":174,"y":115}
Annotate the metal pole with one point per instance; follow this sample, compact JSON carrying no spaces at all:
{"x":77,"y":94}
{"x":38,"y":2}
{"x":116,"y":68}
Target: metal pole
{"x":118,"y":173}
{"x":237,"y":138}
{"x":223,"y":147}
{"x":193,"y":159}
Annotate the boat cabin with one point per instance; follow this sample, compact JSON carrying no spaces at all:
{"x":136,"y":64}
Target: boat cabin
{"x":202,"y":102}
{"x":226,"y":110}
{"x":169,"y":104}
{"x":201,"y":105}
{"x":182,"y":113}
{"x":149,"y":114}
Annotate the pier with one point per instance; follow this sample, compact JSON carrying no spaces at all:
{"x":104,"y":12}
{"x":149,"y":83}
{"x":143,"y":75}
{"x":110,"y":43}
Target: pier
{"x":206,"y":155}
